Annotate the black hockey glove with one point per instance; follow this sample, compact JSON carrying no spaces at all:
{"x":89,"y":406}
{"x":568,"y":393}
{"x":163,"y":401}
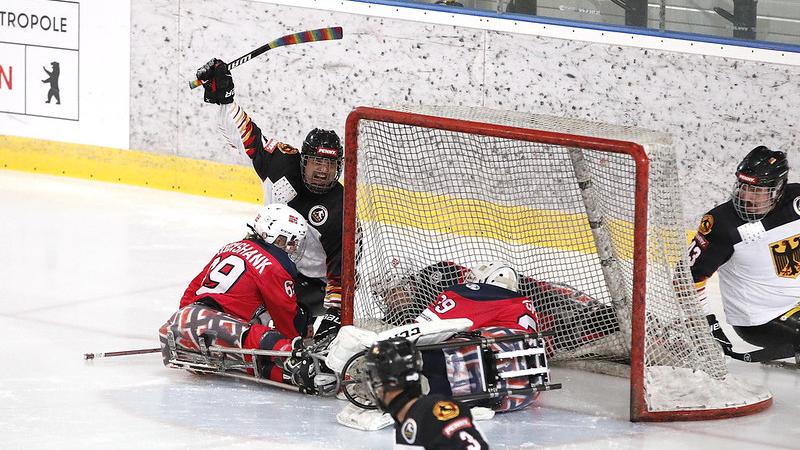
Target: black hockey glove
{"x":328,"y":328}
{"x":217,"y":82}
{"x":311,"y":375}
{"x":719,"y":335}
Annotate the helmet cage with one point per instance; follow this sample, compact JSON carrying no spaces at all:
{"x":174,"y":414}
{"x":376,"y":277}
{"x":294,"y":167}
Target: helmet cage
{"x":393,"y":364}
{"x":322,"y":146}
{"x":497,"y":273}
{"x":320,"y":188}
{"x":760,"y":182}
{"x":753,"y":203}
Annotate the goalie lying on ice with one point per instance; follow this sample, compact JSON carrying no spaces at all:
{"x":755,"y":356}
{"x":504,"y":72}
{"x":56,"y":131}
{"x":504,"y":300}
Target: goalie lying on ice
{"x":491,"y":367}
{"x":518,"y":301}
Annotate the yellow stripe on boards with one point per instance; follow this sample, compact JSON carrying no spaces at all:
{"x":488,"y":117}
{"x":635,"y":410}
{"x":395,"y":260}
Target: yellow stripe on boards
{"x":172,"y":173}
{"x":439,"y":213}
{"x":476,"y":218}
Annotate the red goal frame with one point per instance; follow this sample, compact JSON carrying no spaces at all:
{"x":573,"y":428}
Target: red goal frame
{"x":638,"y":406}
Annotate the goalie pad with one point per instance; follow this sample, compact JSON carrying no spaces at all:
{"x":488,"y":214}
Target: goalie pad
{"x":427,"y":332}
{"x":349,"y":341}
{"x":363,"y":419}
{"x":481,"y":413}
{"x":352,"y":340}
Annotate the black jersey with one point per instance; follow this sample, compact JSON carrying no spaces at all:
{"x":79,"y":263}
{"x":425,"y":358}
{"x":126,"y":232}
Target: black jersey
{"x":278,"y":166}
{"x":758,"y":262}
{"x":439,"y":422}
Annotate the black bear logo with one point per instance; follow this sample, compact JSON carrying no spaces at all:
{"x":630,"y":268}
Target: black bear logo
{"x":52,"y":78}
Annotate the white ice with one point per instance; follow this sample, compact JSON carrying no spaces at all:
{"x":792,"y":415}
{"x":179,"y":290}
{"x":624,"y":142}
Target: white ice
{"x":91,"y":267}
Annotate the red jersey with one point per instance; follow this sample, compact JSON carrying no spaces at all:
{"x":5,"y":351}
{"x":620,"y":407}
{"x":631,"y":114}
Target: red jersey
{"x":245,"y":275}
{"x":485,"y":305}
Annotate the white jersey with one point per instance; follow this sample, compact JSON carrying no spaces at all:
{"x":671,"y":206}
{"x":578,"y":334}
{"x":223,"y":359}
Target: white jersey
{"x":753,"y":290}
{"x":758,"y":263}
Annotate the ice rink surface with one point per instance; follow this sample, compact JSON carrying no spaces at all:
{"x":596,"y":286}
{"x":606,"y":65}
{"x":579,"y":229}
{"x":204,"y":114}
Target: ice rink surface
{"x":91,"y":267}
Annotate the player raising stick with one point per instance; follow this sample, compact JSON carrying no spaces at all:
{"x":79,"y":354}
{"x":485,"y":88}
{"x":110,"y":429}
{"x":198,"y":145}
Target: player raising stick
{"x":305,"y":179}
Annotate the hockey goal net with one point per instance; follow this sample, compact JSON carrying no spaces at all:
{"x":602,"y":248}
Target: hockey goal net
{"x":589,"y":214}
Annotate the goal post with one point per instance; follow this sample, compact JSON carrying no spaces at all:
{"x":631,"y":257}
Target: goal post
{"x":588,"y":213}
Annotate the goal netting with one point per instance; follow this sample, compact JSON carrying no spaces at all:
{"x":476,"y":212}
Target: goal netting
{"x":589,"y":215}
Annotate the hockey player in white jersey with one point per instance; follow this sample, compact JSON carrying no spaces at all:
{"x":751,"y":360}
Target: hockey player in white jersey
{"x":753,"y":242}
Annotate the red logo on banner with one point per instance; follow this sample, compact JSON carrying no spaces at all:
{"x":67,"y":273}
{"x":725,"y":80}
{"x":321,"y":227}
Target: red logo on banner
{"x":8,"y":77}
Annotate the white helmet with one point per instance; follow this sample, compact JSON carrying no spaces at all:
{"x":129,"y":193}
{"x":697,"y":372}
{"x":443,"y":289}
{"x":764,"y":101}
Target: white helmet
{"x":278,"y":220}
{"x":498,"y":274}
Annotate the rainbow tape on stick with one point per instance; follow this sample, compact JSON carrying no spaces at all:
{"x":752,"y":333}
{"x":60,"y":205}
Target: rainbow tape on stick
{"x":322,"y":34}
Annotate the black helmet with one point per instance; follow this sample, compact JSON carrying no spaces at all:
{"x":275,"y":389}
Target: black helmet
{"x":321,"y":145}
{"x":760,"y":181}
{"x":392,"y":364}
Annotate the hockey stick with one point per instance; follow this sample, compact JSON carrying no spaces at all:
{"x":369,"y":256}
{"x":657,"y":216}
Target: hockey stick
{"x":322,"y":34}
{"x":143,"y":351}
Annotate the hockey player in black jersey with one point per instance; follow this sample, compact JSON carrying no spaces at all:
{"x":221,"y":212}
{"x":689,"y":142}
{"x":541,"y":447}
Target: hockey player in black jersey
{"x":753,"y":242}
{"x":432,"y":421}
{"x":305,"y":179}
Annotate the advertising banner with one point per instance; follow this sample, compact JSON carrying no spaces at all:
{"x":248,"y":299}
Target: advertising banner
{"x":64,"y":70}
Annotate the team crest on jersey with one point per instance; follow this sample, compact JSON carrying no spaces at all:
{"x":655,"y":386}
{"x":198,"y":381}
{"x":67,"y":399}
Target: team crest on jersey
{"x":445,"y":410}
{"x":317,"y":215}
{"x":786,"y":256}
{"x":286,"y":148}
{"x":706,"y":223}
{"x":409,"y":430}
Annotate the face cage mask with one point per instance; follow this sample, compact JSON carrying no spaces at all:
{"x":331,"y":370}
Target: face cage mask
{"x":410,"y":388}
{"x":751,"y":211}
{"x":374,"y":390}
{"x":294,"y":250}
{"x":316,"y":188}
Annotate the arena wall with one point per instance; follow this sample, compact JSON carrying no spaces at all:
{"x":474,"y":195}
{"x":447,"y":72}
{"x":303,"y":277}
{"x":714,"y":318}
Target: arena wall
{"x":716,"y":99}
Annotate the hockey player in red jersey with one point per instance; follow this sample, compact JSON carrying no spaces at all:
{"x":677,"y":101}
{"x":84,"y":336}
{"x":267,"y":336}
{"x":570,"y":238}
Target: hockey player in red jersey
{"x":305,"y":179}
{"x":491,"y":301}
{"x":580,"y":318}
{"x":494,"y":349}
{"x":221,"y":304}
{"x":753,"y":242}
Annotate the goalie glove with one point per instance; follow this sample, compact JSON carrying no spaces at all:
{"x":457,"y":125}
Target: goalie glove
{"x":217,"y":82}
{"x":311,"y":376}
{"x":328,"y":327}
{"x":719,"y":335}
